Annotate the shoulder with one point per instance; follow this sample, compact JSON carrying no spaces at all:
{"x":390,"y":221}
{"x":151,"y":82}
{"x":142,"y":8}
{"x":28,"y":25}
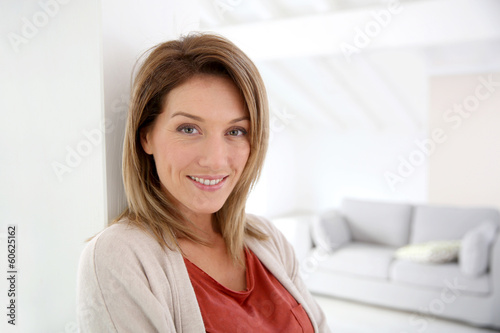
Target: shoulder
{"x":263,"y":225}
{"x":276,"y":245}
{"x":127,"y":279}
{"x":123,"y":239}
{"x":125,"y":234}
{"x":125,"y":255}
{"x":122,"y":246}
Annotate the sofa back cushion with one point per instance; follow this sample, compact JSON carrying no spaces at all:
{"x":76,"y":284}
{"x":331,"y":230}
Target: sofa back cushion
{"x":378,"y":222}
{"x":432,"y":223}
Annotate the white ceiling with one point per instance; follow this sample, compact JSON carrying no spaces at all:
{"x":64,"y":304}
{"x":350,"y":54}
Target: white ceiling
{"x":296,"y":45}
{"x":217,"y":13}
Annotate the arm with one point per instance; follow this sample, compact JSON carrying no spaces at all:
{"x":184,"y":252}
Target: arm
{"x":285,"y":255}
{"x":315,"y":309}
{"x":296,"y":278}
{"x":114,"y":294}
{"x":92,"y":312}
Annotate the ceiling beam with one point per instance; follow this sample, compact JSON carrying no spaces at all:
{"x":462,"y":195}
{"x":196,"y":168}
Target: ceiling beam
{"x":414,"y":24}
{"x":391,"y":92}
{"x":348,"y":85}
{"x":323,"y":110}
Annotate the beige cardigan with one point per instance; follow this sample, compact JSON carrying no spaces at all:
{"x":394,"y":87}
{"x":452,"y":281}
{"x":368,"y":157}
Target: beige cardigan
{"x":127,"y":282}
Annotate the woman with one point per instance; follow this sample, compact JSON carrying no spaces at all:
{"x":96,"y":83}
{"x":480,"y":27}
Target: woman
{"x":184,"y":256}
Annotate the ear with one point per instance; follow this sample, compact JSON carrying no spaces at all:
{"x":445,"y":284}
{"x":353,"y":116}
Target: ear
{"x":146,"y":140}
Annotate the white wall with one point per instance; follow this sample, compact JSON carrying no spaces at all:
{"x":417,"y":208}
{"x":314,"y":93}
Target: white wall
{"x":128,"y":31}
{"x":313,"y":163}
{"x":454,"y":160}
{"x":56,"y":90}
{"x":313,"y":172}
{"x":465,"y":168}
{"x":51,"y":95}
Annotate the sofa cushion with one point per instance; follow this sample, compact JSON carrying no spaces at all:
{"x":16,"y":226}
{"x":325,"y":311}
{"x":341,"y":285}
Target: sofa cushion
{"x":360,"y":259}
{"x":438,"y":276}
{"x":378,"y":222}
{"x":447,"y":223}
{"x":330,"y":231}
{"x":475,"y":250}
{"x":430,"y":252}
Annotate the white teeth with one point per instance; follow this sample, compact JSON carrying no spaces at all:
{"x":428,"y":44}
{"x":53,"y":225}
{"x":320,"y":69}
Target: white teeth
{"x":206,"y":181}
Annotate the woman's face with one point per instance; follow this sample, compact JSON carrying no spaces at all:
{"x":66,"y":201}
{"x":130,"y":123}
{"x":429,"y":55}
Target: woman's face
{"x":200,"y":143}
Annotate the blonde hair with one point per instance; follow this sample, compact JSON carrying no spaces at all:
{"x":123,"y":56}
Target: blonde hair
{"x":167,"y":66}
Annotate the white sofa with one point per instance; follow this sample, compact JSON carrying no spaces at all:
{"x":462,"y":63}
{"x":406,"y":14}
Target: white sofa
{"x":354,"y":258}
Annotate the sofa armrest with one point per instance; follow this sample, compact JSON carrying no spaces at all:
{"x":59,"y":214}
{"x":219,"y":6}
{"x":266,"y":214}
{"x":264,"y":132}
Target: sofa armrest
{"x":330,"y":231}
{"x":494,"y":265}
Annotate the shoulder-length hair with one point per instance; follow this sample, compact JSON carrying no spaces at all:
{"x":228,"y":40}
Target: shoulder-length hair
{"x":167,"y":66}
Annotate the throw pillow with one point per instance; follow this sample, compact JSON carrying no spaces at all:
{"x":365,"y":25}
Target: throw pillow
{"x":475,"y":252}
{"x":330,"y":231}
{"x":434,"y":252}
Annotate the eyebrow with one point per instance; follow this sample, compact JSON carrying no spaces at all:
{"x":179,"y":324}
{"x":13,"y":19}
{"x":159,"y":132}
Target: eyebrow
{"x":188,"y":115}
{"x":184,"y":114}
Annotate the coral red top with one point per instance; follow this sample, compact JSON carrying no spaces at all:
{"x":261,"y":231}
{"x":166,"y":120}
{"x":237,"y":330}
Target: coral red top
{"x":265,"y":306}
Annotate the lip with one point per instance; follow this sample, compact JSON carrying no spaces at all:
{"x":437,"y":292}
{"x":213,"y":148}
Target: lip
{"x":209,"y":188}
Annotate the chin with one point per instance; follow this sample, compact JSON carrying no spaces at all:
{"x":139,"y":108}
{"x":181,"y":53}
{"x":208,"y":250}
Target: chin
{"x":207,"y":210}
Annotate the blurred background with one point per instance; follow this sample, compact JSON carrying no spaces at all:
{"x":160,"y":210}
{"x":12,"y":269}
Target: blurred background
{"x":371,"y":99}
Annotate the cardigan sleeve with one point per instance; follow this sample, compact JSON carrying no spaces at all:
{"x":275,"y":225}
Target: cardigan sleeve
{"x":313,"y":305}
{"x":288,"y":260}
{"x":114,"y":294}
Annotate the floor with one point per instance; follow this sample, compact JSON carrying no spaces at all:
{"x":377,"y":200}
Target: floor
{"x":350,"y":317}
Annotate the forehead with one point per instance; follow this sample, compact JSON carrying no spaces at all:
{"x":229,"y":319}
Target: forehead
{"x":206,"y":96}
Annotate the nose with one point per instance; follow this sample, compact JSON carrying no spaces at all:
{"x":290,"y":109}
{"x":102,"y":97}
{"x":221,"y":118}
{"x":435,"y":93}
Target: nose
{"x":214,"y":153}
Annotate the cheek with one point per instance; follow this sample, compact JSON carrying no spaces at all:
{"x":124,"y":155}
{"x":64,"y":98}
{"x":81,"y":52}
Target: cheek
{"x":173,"y":159}
{"x":240,"y":156}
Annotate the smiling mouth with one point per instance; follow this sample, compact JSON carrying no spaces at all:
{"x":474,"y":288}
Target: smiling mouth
{"x":207,"y":182}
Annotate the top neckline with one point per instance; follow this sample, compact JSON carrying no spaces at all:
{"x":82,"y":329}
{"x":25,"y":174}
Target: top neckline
{"x":235,"y":293}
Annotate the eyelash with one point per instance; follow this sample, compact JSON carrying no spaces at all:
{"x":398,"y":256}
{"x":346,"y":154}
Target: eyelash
{"x":242,"y":130}
{"x":182,"y":129}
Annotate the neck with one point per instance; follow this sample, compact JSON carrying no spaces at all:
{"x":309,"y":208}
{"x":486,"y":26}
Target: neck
{"x":204,"y":225}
